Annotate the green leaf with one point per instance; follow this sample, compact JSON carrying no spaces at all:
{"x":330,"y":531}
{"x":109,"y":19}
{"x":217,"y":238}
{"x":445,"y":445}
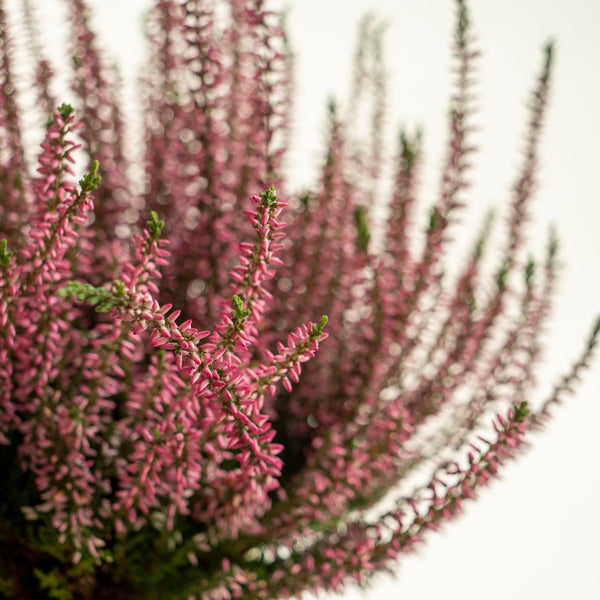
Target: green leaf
{"x":362,"y":228}
{"x":549,"y":52}
{"x":410,"y":148}
{"x":502,"y":275}
{"x":521,"y":412}
{"x":552,"y":243}
{"x":332,"y":107}
{"x":317,"y":329}
{"x":305,"y":200}
{"x":55,"y":583}
{"x":529,"y":271}
{"x":155,"y":225}
{"x":4,"y":255}
{"x":269,"y":198}
{"x":104,"y":300}
{"x":239,"y":313}
{"x":119,"y":288}
{"x":436,"y":219}
{"x":593,"y":339}
{"x":89,"y":182}
{"x":65,"y":110}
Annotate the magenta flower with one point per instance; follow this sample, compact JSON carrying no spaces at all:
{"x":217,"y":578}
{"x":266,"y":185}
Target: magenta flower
{"x":177,"y":417}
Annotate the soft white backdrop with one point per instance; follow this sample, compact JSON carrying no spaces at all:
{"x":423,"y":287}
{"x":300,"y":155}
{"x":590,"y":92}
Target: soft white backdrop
{"x":536,"y":533}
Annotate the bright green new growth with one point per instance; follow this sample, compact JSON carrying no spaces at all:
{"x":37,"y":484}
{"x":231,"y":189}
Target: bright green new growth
{"x":5,"y":255}
{"x":239,"y":314}
{"x":269,"y":198}
{"x":155,"y":225}
{"x":317,"y":329}
{"x":104,"y":300}
{"x":521,"y":412}
{"x":362,"y":228}
{"x":65,"y":110}
{"x":89,"y":182}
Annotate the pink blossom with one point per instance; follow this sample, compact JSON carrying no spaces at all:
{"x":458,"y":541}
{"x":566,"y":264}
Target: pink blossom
{"x":176,"y":413}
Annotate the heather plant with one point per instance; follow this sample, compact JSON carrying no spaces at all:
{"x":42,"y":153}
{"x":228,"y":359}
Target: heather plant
{"x":178,"y":418}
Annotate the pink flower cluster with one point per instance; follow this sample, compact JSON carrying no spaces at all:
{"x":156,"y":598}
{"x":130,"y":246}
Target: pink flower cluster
{"x":164,"y":429}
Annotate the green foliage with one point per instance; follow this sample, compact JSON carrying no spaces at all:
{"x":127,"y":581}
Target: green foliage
{"x":305,"y":200}
{"x":436,"y":219}
{"x":502,"y":275}
{"x":410,"y":148}
{"x":155,"y":225}
{"x":549,"y":53}
{"x":5,"y":255}
{"x":56,"y":584}
{"x":332,"y":108}
{"x":269,"y":198}
{"x":529,"y":271}
{"x":317,"y":329}
{"x":593,"y":339}
{"x":521,"y":412}
{"x":483,"y":237}
{"x":104,"y":300}
{"x":463,"y":24}
{"x":65,"y":110}
{"x":89,"y":182}
{"x":362,"y":228}
{"x":553,"y":243}
{"x":239,"y":314}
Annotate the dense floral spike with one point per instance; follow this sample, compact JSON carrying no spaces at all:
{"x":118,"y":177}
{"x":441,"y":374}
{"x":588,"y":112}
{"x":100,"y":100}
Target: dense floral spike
{"x":97,"y":101}
{"x":218,"y":94}
{"x":368,"y":98}
{"x":43,"y":72}
{"x":11,"y":148}
{"x":164,"y":431}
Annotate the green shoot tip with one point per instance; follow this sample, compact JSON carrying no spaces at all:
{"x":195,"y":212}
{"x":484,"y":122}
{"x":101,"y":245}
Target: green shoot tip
{"x":89,"y":182}
{"x":521,"y":411}
{"x":65,"y":110}
{"x":317,"y":329}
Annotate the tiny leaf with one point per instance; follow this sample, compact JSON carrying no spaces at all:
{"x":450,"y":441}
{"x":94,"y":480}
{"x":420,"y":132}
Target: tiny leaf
{"x":65,"y":110}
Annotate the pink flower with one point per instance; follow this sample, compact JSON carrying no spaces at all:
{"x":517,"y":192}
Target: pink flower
{"x":175,"y":413}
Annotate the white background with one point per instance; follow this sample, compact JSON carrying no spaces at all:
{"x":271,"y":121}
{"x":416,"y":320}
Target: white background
{"x":536,"y":533}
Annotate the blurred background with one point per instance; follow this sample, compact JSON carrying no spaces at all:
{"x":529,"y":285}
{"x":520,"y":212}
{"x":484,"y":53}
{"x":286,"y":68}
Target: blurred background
{"x":535,"y":534}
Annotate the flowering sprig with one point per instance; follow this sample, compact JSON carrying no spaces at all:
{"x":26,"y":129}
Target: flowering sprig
{"x":286,"y":364}
{"x":250,"y":276}
{"x":164,"y":431}
{"x":219,"y":381}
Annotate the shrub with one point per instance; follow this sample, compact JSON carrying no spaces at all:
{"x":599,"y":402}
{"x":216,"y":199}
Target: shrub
{"x":165,"y":428}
